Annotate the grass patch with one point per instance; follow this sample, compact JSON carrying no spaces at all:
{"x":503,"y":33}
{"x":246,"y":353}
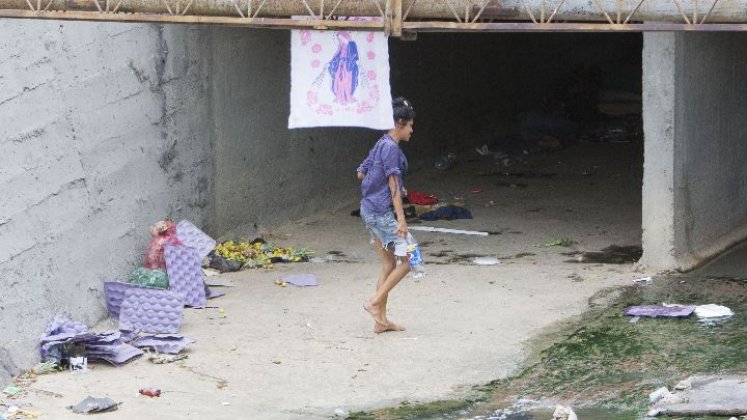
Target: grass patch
{"x":604,"y":366}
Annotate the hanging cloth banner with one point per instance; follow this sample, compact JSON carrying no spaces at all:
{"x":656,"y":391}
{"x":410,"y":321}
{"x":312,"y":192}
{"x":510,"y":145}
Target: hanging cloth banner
{"x":340,"y":79}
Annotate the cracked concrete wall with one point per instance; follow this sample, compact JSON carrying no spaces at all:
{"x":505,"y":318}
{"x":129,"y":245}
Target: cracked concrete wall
{"x":694,"y":194}
{"x":265,"y":173}
{"x":103,"y":133}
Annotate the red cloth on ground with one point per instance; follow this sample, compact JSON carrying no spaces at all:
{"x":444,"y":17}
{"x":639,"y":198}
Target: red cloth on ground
{"x":421,"y":198}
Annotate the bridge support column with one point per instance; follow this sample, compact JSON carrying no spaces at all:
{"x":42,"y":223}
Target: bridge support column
{"x":695,"y":153}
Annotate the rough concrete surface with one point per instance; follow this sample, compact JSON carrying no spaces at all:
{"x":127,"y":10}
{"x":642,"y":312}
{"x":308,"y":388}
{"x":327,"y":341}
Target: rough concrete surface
{"x":303,"y":352}
{"x":99,"y":140}
{"x":724,"y":395}
{"x":695,"y":203}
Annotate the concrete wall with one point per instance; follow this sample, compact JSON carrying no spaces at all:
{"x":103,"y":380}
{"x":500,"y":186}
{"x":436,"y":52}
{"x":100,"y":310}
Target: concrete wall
{"x":102,"y":134}
{"x":265,"y":173}
{"x":694,"y":197}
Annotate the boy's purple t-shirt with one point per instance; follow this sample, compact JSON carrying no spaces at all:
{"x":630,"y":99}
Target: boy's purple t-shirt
{"x":384,"y":159}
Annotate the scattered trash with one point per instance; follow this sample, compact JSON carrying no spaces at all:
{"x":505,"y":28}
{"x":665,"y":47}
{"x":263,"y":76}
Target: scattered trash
{"x":192,"y":236}
{"x":45,"y":367}
{"x":232,"y":256}
{"x":414,"y":257}
{"x":339,"y":412}
{"x":664,"y":311}
{"x":164,"y":232}
{"x":185,"y":274}
{"x":150,"y":392}
{"x":62,"y":337}
{"x":79,"y":360}
{"x":643,"y":280}
{"x":712,"y":313}
{"x":219,"y":282}
{"x":163,"y":343}
{"x":421,"y":198}
{"x":634,"y":319}
{"x":684,"y":384}
{"x":445,"y":230}
{"x":612,"y":254}
{"x":445,"y":161}
{"x":560,"y":242}
{"x":281,"y":283}
{"x":447,"y":213}
{"x":94,"y":405}
{"x":486,"y":261}
{"x":564,"y":413}
{"x":301,"y":280}
{"x":11,"y":390}
{"x":657,"y":395}
{"x":149,"y":277}
{"x":152,"y":311}
{"x":209,"y":272}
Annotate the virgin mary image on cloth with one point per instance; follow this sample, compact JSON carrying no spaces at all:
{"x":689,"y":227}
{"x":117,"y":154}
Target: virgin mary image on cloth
{"x":339,"y":79}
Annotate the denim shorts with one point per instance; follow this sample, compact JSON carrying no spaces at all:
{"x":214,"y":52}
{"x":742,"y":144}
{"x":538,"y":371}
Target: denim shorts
{"x":382,"y":227}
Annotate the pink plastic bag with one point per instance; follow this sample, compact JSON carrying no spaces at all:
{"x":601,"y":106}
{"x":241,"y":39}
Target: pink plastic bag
{"x":164,"y":232}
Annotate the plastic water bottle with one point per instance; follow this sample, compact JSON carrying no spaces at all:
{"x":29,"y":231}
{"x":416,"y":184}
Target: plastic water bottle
{"x":414,"y":258}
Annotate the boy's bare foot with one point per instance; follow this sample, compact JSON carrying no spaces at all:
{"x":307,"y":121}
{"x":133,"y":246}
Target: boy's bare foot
{"x":375,"y":311}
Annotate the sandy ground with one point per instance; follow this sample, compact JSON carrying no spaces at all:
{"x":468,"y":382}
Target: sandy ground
{"x":276,"y":353}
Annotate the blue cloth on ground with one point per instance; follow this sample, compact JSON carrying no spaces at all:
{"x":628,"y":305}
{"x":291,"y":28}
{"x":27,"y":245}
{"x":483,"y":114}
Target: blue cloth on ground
{"x":447,"y":213}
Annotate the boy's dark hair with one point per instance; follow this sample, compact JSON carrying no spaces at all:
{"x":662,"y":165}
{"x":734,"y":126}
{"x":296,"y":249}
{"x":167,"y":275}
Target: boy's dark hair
{"x":403,"y":110}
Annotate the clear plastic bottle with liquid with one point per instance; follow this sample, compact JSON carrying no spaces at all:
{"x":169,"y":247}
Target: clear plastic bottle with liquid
{"x":414,"y":258}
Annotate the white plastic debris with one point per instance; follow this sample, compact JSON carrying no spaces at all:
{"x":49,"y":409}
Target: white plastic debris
{"x":684,"y":384}
{"x":486,"y":261}
{"x":564,"y":413}
{"x":643,"y":280}
{"x":339,"y":412}
{"x":446,"y":230}
{"x":659,"y":394}
{"x":712,"y":311}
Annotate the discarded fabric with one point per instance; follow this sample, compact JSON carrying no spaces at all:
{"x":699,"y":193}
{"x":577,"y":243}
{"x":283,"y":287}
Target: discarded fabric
{"x":301,"y":279}
{"x":94,"y":405}
{"x":447,"y":213}
{"x":672,"y":311}
{"x":421,"y":198}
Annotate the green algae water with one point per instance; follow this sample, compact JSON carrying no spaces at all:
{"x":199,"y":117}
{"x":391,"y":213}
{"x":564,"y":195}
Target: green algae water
{"x":605,"y":366}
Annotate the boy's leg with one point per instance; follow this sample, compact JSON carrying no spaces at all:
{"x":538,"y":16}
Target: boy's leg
{"x":374,"y":306}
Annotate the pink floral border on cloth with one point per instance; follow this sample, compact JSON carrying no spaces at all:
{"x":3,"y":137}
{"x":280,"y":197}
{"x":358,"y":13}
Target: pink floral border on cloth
{"x":340,"y":79}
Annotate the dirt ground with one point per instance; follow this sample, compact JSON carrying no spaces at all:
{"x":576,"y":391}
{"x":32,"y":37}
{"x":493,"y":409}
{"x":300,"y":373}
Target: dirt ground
{"x":287,"y":352}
